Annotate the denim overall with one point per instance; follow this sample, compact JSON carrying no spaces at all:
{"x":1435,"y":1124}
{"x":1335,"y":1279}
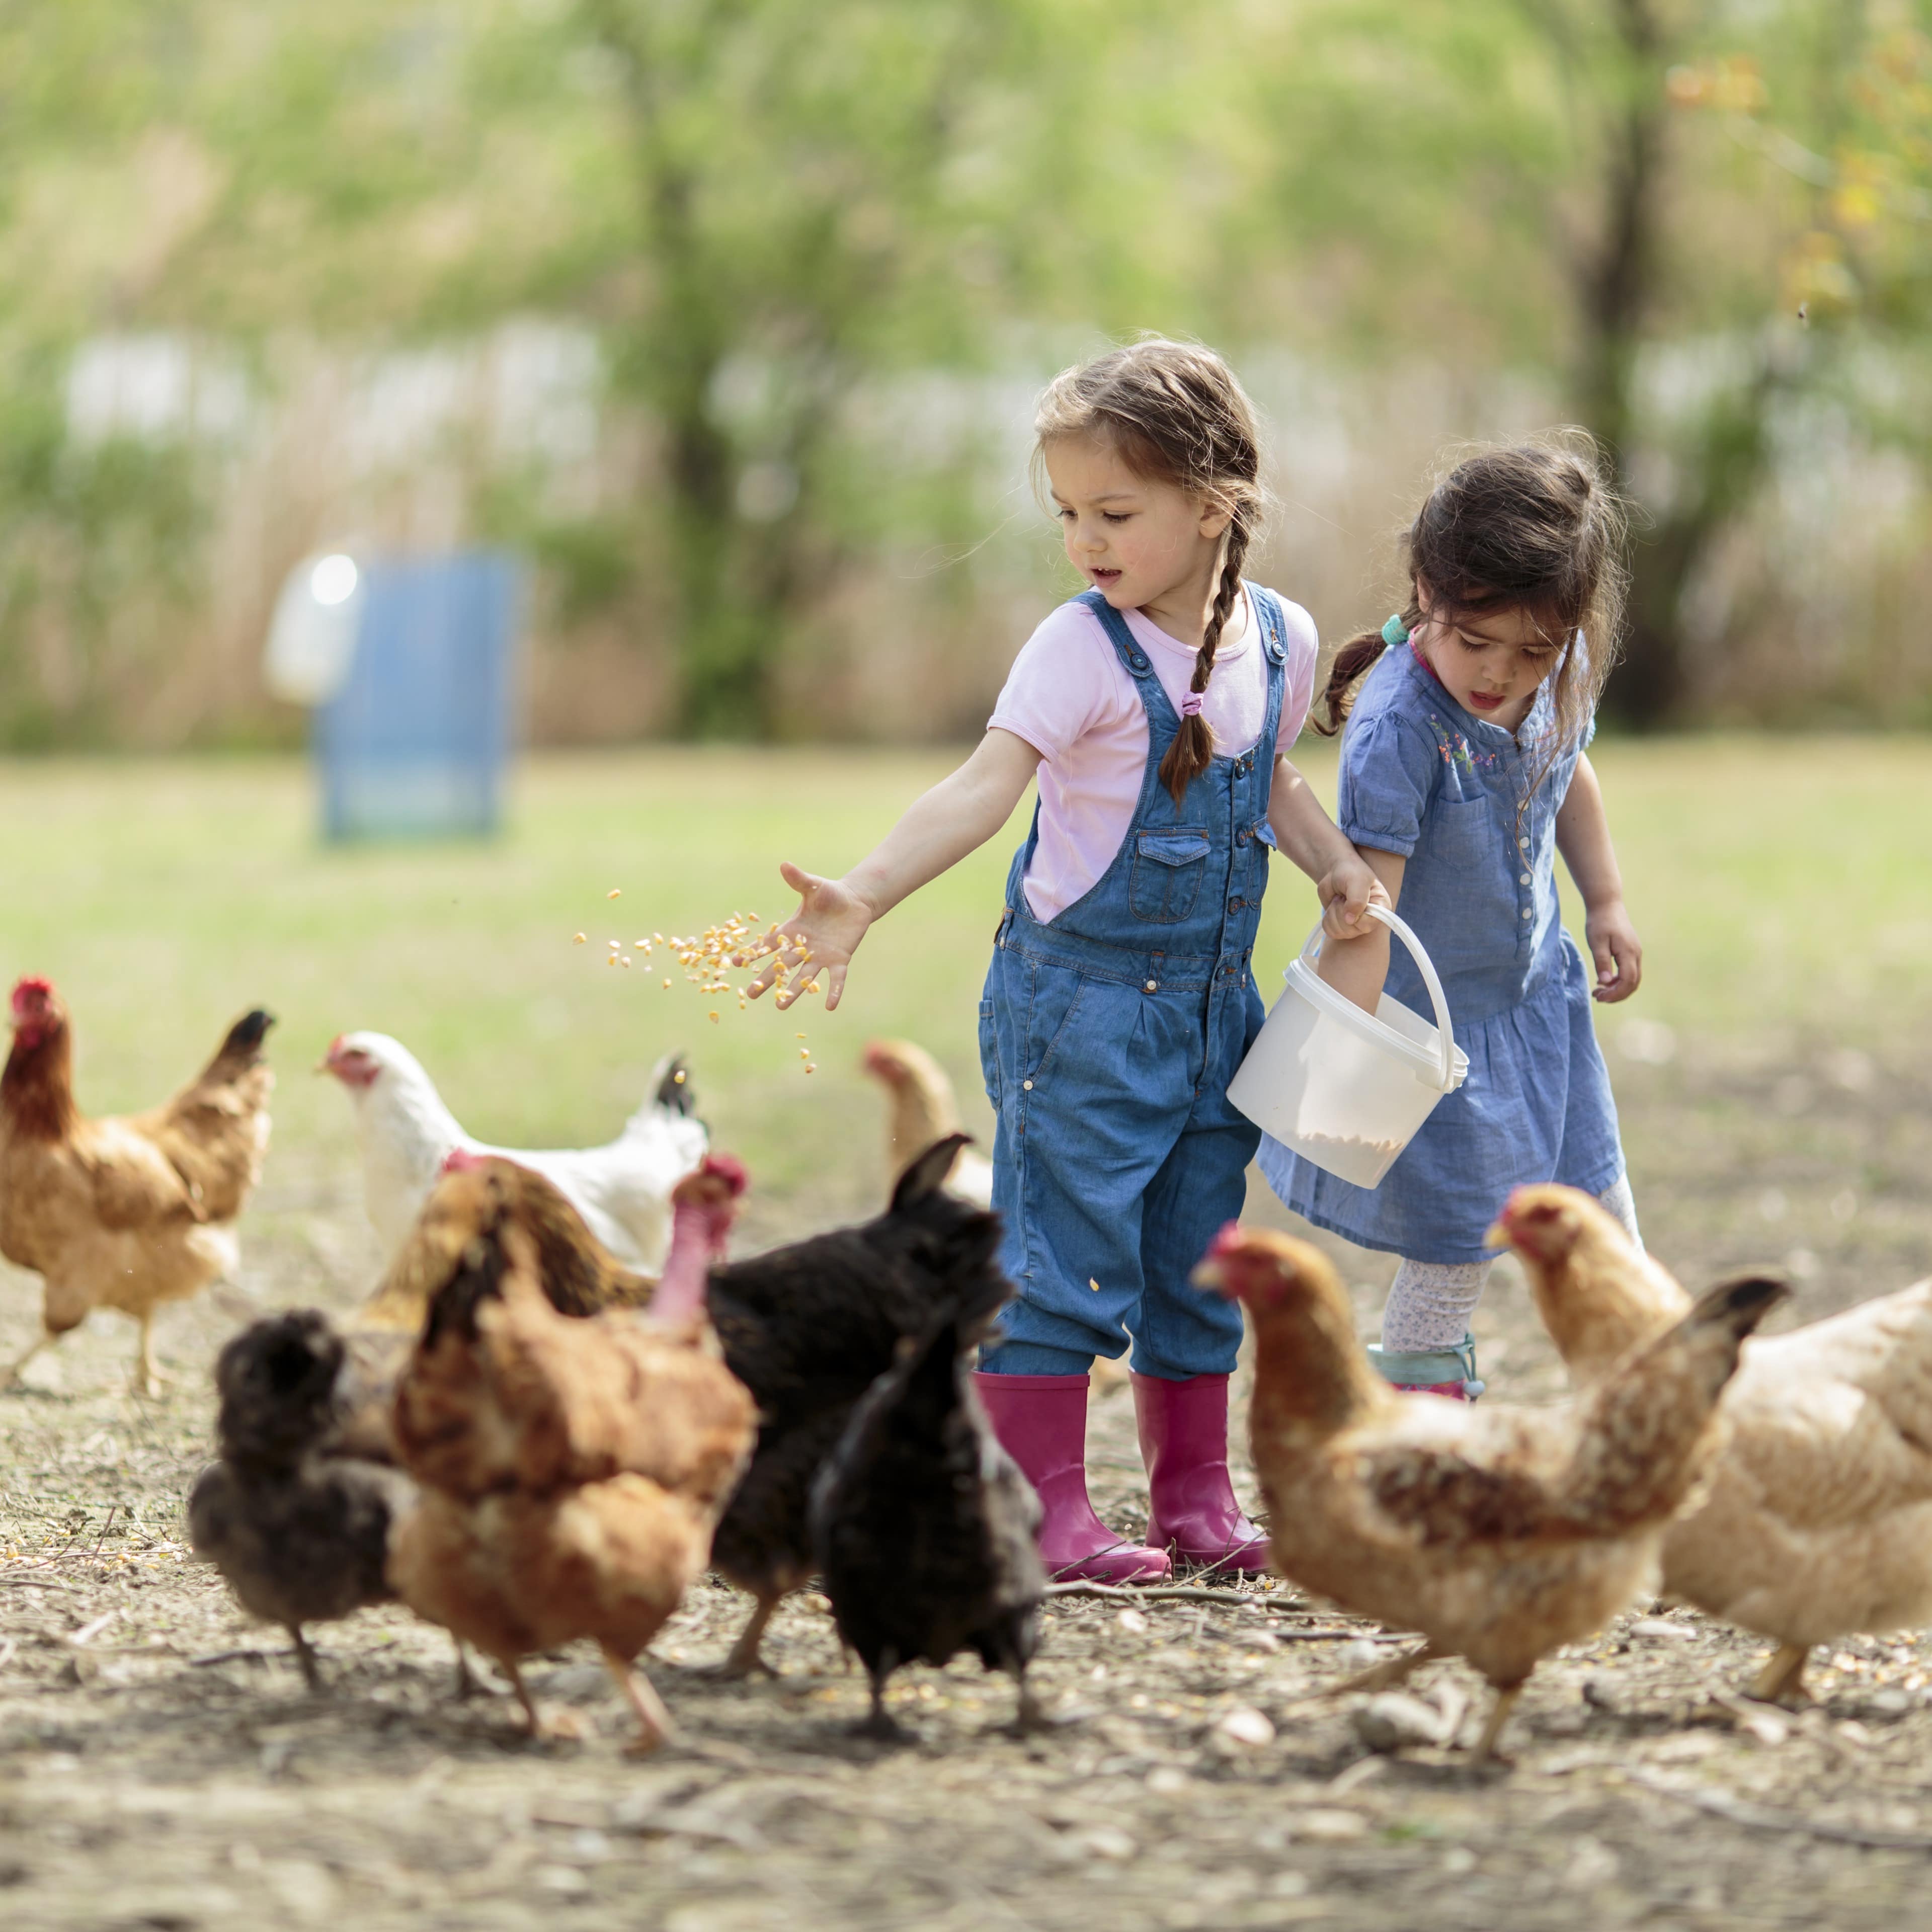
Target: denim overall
{"x":1107,"y":1036}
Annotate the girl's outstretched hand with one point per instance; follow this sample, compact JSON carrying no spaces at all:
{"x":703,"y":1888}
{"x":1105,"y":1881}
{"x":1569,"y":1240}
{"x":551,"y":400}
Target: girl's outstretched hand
{"x":1617,"y":950}
{"x":821,"y":937}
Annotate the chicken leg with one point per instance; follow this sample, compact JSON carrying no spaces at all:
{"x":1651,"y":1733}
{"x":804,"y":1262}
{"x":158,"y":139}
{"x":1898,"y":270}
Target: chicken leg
{"x":656,"y":1725}
{"x":10,"y":1374}
{"x":305,"y":1656}
{"x":1485,"y":1745}
{"x":744,"y":1660}
{"x":1784,"y":1676}
{"x":148,"y":1380}
{"x":879,"y":1722}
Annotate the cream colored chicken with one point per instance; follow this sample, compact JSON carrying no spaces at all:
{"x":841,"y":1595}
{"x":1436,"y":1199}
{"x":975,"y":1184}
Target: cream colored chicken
{"x":1817,"y":1521}
{"x":1499,"y":1534}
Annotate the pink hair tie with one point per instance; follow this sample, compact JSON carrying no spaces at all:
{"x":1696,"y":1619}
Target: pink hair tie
{"x":1190,"y":705}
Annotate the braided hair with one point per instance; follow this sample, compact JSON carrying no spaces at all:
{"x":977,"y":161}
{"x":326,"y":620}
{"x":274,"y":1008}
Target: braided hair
{"x":1175,"y":414}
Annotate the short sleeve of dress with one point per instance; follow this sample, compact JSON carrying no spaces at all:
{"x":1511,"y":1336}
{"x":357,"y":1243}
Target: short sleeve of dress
{"x":1389,"y":770}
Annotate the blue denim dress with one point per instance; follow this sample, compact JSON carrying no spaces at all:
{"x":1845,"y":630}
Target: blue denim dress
{"x":1421,"y":776}
{"x":1107,"y":1036}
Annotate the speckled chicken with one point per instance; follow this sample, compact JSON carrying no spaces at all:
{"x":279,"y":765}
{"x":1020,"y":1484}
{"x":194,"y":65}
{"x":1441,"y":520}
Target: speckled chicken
{"x":573,"y":1467}
{"x":924,"y":1525}
{"x":807,"y":1329}
{"x":1817,"y":1519}
{"x":299,"y":1528}
{"x":125,"y":1212}
{"x":1499,"y":1534}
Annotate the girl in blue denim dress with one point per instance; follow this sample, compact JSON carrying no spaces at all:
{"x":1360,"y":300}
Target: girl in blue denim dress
{"x":1120,"y":998}
{"x":1463,"y":774}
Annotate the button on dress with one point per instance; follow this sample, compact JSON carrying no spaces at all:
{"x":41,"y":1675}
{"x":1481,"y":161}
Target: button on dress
{"x":1422,"y":777}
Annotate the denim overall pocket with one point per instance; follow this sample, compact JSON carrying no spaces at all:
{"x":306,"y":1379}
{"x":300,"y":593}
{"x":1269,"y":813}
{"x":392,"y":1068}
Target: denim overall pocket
{"x":1168,"y":869}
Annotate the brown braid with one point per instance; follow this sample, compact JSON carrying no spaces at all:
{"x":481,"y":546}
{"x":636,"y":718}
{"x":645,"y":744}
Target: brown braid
{"x":1352,"y":662}
{"x":1193,"y":751}
{"x":1176,"y":415}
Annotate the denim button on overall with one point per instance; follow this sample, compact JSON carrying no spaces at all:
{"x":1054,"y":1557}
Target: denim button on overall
{"x":1107,"y":1036}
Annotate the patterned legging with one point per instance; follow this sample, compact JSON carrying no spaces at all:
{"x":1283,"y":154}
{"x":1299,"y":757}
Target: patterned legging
{"x":1429,"y":1304}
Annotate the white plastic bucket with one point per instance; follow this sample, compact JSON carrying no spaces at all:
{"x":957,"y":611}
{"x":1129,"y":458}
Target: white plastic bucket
{"x":1344,"y":1088}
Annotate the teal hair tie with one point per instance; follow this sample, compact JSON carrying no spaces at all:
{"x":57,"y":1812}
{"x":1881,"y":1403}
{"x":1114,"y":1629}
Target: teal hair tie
{"x":1395,"y":632}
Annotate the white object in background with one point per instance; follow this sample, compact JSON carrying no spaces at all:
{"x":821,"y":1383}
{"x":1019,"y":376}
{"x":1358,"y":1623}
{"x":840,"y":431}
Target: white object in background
{"x":312,"y":637}
{"x":1345,"y":1088}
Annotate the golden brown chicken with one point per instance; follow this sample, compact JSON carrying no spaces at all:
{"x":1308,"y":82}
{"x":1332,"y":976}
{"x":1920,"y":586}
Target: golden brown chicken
{"x":923,"y":1108}
{"x":1817,"y":1519}
{"x":572,"y":1469}
{"x":1498,"y":1534}
{"x":124,"y":1213}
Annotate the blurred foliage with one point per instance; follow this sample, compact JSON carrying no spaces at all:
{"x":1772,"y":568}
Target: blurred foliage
{"x":768,"y":211}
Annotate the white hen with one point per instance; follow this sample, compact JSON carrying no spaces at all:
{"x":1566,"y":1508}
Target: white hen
{"x":622,"y":1189}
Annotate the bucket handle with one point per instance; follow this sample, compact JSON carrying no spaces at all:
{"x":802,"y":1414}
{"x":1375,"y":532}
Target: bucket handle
{"x":1445,"y":1039}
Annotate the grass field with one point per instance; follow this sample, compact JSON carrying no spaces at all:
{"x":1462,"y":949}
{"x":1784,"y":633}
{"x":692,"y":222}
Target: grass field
{"x":160,"y":1765}
{"x":1781,"y":887}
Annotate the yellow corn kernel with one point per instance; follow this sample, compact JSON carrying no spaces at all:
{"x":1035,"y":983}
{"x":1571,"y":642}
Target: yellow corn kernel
{"x":623,"y":959}
{"x":809,"y":1068}
{"x":714,"y":1016}
{"x":578,"y":940}
{"x":616,"y":892}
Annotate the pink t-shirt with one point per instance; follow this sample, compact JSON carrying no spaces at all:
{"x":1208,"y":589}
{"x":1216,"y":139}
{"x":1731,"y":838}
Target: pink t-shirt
{"x":1070,"y":697}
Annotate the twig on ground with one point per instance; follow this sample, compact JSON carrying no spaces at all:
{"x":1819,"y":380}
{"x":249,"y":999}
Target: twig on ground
{"x":1155,"y":1593}
{"x":92,"y":1628}
{"x":105,"y":1528}
{"x":1737,"y":1811}
{"x":236,"y":1656}
{"x":44,"y":1583}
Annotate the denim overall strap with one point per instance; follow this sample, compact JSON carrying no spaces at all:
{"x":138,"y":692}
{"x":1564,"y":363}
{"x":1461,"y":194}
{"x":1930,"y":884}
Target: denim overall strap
{"x":1108,"y":1035}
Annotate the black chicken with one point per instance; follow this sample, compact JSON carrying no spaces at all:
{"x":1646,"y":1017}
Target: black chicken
{"x":924,"y":1526}
{"x":297,"y":1526}
{"x":807,"y":1329}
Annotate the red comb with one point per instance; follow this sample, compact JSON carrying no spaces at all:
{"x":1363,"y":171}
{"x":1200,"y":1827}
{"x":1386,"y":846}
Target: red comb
{"x":43,"y":987}
{"x":460,"y":1160}
{"x":728,"y":1169}
{"x":1227,"y":1241}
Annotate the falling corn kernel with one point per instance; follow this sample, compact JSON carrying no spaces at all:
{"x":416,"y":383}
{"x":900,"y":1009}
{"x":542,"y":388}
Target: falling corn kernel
{"x":810,"y":1068}
{"x":805,"y":1053}
{"x":1093,"y":1284}
{"x":616,"y":892}
{"x":714,"y":1016}
{"x":666,"y":985}
{"x":578,"y":940}
{"x":798,"y":1035}
{"x":623,"y":959}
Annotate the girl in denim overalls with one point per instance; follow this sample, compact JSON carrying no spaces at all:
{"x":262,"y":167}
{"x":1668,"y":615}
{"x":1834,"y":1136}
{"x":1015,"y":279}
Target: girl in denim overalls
{"x":1462,"y":775}
{"x":1121,"y":995}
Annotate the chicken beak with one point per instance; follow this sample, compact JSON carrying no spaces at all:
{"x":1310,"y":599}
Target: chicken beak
{"x":1210,"y":1273}
{"x":1498,"y":1236}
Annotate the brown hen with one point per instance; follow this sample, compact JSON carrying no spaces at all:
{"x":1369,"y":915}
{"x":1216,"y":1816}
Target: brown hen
{"x":1498,"y":1534}
{"x":572,"y":1469}
{"x":126,"y":1212}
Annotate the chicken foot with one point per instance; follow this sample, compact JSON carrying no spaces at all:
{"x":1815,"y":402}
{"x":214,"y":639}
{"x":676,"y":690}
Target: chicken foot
{"x":744,"y":1660}
{"x":656,"y":1725}
{"x":562,"y":1724}
{"x":1485,"y":1745}
{"x":1784,"y":1676}
{"x":304,"y":1655}
{"x":880,"y":1722}
{"x":148,"y":1380}
{"x":1390,"y":1672}
{"x":10,"y":1374}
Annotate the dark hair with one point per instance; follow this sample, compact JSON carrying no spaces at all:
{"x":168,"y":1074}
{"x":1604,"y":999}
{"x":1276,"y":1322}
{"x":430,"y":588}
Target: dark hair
{"x":1176,"y":414}
{"x":1537,"y":528}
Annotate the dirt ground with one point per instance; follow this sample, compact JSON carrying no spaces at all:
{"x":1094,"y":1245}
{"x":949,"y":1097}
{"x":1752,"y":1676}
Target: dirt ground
{"x":161,"y":1765}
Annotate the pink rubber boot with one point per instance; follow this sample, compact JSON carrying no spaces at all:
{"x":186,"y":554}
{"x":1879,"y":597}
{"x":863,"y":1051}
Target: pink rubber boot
{"x":1041,"y":1421}
{"x":1183,"y":1428}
